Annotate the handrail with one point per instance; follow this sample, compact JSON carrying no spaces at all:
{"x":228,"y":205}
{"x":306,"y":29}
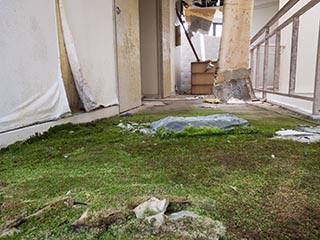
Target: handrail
{"x":264,"y":41}
{"x":304,"y":9}
{"x":275,"y":18}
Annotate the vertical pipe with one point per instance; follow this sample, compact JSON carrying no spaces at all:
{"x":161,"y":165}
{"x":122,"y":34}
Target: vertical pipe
{"x":266,"y":64}
{"x":294,"y":55}
{"x":187,"y":35}
{"x":316,"y":101}
{"x":277,"y":62}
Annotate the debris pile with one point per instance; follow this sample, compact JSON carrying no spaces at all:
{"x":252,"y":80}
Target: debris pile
{"x":143,"y":128}
{"x":303,"y":134}
{"x":221,"y":121}
{"x":152,"y":219}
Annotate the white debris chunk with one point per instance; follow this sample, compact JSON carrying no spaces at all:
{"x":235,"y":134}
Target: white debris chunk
{"x":152,"y":207}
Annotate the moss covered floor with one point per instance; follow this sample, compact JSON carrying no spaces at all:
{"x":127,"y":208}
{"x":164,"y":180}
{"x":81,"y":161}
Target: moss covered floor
{"x":259,"y":188}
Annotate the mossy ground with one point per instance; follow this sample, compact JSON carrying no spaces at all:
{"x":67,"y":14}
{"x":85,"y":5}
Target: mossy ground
{"x":258,"y":187}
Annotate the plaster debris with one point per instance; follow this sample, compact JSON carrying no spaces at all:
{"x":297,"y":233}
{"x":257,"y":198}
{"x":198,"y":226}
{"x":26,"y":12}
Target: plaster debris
{"x":136,"y":127}
{"x":222,"y":121}
{"x":152,"y":207}
{"x":304,"y":135}
{"x":235,"y":101}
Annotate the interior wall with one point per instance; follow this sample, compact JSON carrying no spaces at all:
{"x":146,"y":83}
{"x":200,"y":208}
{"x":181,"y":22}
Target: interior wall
{"x":92,"y":26}
{"x":128,"y":54}
{"x":31,"y":84}
{"x":262,"y":13}
{"x":307,"y":49}
{"x":149,"y":48}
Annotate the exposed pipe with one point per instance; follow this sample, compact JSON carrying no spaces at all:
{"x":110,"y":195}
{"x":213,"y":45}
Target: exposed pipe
{"x":186,"y":33}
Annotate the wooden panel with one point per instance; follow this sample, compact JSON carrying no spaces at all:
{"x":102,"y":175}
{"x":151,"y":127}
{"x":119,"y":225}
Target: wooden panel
{"x":201,"y":67}
{"x":202,"y":78}
{"x":201,"y":89}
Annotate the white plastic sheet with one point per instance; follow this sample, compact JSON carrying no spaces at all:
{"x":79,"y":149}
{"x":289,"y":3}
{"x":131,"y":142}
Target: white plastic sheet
{"x":31,"y":88}
{"x":91,"y":45}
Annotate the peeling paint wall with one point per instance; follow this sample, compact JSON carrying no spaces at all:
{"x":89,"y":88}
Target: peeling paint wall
{"x":235,"y":41}
{"x":128,"y":54}
{"x":165,"y":45}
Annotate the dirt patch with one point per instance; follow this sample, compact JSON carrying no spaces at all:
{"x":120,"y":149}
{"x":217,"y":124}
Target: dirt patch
{"x":13,"y":208}
{"x":289,"y":205}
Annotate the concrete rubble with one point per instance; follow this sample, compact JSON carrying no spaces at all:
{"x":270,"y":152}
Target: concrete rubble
{"x":182,"y":225}
{"x":303,"y":134}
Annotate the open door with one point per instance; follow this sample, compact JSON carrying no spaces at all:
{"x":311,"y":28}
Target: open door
{"x":128,"y":53}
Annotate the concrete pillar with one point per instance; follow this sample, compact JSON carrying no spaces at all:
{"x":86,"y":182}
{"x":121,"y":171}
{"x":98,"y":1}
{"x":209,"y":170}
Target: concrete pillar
{"x":235,"y":41}
{"x":233,"y":78}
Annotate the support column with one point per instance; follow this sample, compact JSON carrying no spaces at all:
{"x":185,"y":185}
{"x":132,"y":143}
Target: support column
{"x":233,"y":78}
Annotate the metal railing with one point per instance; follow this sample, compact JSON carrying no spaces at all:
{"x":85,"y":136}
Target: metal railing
{"x":262,"y":40}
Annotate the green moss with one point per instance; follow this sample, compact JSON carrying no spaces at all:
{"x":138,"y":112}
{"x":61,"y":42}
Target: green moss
{"x":239,"y":177}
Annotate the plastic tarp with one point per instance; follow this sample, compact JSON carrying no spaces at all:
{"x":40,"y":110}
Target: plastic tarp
{"x":88,"y":29}
{"x":31,"y":87}
{"x":222,"y":121}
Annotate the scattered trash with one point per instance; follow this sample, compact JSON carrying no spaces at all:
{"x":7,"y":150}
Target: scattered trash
{"x":152,"y":207}
{"x":135,"y":127}
{"x":212,"y":100}
{"x":235,"y":101}
{"x":303,"y":135}
{"x":221,"y":121}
